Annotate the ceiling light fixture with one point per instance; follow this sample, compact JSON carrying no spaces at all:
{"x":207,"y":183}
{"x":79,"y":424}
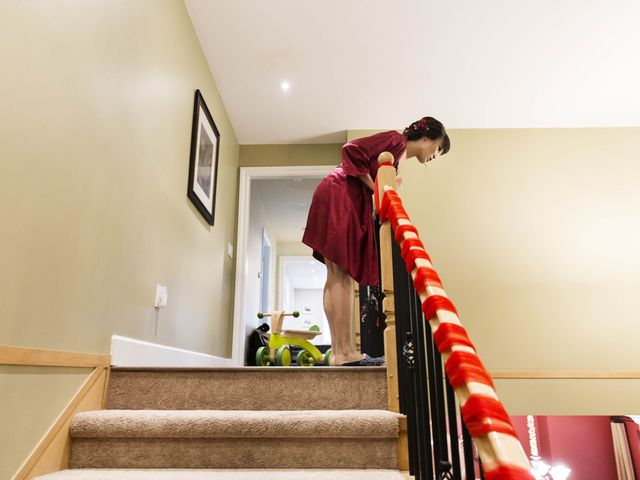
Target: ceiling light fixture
{"x":285,"y":86}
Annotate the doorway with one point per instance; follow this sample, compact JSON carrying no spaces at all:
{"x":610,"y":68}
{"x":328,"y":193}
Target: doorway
{"x":273,"y":204}
{"x":301,"y":281}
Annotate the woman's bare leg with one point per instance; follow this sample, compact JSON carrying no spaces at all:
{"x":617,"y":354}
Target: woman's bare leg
{"x":338,"y":302}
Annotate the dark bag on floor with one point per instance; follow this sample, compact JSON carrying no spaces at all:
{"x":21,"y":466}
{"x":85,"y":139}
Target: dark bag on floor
{"x":258,"y":338}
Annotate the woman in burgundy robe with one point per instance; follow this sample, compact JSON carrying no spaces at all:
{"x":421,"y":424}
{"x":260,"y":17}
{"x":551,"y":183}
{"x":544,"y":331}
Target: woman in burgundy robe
{"x":340,"y":224}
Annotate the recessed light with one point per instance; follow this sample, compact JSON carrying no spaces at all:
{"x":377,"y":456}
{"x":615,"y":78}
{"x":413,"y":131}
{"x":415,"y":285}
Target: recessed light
{"x":285,"y":86}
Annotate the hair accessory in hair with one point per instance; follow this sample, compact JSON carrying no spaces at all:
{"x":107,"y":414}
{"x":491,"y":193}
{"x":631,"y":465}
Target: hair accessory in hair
{"x":419,"y":125}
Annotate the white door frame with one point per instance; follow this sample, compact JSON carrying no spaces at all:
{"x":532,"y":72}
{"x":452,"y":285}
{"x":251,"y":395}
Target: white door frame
{"x":244,"y":201}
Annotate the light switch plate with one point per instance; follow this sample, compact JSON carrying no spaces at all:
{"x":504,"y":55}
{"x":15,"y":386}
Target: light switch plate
{"x":162,"y":294}
{"x":230,"y":250}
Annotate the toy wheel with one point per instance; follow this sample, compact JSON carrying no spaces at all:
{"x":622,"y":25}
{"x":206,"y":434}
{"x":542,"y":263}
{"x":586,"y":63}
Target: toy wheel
{"x":262,"y":357}
{"x":327,"y":358}
{"x":305,"y":359}
{"x":283,"y":356}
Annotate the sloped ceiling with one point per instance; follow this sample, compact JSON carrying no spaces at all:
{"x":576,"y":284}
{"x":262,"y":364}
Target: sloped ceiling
{"x":369,"y":64}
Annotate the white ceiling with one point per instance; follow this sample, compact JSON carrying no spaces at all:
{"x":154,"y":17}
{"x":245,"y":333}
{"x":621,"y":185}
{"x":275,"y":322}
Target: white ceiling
{"x":286,"y":205}
{"x":377,"y":64}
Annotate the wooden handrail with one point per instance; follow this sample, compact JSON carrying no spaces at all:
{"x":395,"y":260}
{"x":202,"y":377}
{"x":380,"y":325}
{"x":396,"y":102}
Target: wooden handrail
{"x":11,"y":355}
{"x":497,"y":450}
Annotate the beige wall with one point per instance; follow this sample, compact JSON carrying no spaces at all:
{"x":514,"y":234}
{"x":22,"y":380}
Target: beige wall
{"x":31,"y":399}
{"x":259,"y":221}
{"x":289,"y":155}
{"x":95,"y":125}
{"x":293,"y":249}
{"x":95,"y":128}
{"x":535,"y":235}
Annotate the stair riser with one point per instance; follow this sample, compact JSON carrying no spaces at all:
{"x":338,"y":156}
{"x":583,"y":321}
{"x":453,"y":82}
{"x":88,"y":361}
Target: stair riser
{"x":221,"y":474}
{"x":257,"y":389}
{"x":233,"y":453}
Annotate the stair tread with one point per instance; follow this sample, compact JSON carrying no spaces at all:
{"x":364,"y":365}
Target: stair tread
{"x":235,"y":424}
{"x":223,"y":474}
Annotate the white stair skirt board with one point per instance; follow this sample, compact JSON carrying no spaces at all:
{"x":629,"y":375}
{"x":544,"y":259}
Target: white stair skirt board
{"x":129,"y":352}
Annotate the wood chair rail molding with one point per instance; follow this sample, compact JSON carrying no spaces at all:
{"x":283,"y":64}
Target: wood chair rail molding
{"x":565,"y":374}
{"x":10,"y":355}
{"x":52,"y":451}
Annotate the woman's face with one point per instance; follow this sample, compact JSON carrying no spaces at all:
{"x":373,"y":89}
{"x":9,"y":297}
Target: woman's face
{"x":428,"y":149}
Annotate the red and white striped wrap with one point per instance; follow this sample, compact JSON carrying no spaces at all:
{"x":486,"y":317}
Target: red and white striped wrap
{"x":484,"y":415}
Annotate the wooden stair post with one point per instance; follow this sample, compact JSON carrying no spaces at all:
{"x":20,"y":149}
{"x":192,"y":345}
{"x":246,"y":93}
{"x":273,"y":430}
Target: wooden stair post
{"x":387,"y":177}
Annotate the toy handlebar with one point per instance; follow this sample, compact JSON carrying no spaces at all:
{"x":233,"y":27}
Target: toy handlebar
{"x":294,"y":314}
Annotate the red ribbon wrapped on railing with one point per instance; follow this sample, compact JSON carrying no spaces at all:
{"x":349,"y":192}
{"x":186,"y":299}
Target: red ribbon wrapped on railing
{"x":433,"y":303}
{"x":504,"y":472}
{"x":402,"y":229}
{"x":391,"y":208}
{"x":376,"y":190}
{"x":425,"y":277}
{"x":409,"y":244}
{"x":449,"y":334}
{"x":464,"y":367}
{"x":482,"y":414}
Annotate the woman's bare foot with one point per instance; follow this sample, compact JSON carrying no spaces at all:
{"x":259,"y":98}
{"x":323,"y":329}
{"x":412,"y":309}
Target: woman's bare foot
{"x":337,"y":360}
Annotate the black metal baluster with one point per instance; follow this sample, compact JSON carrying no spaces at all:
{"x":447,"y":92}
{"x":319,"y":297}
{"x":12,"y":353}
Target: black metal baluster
{"x":372,"y":323}
{"x":362,"y":305}
{"x":405,"y":369}
{"x":436,"y":397}
{"x":415,"y":460}
{"x":404,"y":330}
{"x":422,"y":400}
{"x":469,"y":463}
{"x":452,"y":418}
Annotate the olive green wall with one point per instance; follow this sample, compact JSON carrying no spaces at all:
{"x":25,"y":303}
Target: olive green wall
{"x":95,"y":128}
{"x":31,"y":399}
{"x":535,"y":235}
{"x":289,"y":155}
{"x":95,"y":131}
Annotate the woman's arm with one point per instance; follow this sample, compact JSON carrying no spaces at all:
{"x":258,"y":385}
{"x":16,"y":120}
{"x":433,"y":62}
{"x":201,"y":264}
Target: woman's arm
{"x":368,"y":181}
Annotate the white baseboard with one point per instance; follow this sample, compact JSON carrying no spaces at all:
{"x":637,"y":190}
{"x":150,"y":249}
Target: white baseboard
{"x":129,"y":352}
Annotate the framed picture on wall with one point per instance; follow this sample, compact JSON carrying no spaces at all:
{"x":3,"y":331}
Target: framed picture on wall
{"x":203,"y":164}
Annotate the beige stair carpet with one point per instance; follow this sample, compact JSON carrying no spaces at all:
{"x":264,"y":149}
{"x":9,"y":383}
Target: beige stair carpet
{"x":249,"y":388}
{"x":240,"y":474}
{"x":235,"y":439}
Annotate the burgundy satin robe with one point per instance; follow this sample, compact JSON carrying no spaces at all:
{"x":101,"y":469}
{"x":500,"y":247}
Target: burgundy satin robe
{"x":340,"y":224}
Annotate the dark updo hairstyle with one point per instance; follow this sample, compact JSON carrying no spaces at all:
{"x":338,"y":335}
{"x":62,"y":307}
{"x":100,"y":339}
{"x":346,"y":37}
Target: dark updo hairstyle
{"x":431,"y":128}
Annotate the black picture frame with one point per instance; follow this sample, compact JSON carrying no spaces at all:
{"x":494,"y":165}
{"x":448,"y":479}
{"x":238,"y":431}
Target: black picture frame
{"x":203,"y":160}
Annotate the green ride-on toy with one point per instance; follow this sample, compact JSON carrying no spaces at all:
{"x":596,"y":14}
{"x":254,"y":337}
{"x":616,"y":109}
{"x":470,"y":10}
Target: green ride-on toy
{"x":279,"y":351}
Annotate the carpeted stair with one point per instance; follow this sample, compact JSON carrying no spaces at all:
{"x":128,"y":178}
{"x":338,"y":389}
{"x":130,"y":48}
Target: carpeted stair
{"x":232,"y":424}
{"x":258,"y":388}
{"x":239,"y":474}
